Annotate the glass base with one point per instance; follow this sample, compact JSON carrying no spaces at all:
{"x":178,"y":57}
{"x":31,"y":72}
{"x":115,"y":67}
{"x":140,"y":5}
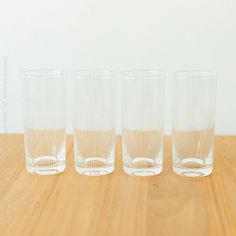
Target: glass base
{"x":45,"y":165}
{"x":142,"y":166}
{"x":94,"y":166}
{"x":46,"y":170}
{"x":193,"y":167}
{"x":94,"y":171}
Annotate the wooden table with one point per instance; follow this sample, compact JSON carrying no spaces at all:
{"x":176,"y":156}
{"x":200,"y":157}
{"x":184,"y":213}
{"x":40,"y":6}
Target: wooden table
{"x":117,"y":205}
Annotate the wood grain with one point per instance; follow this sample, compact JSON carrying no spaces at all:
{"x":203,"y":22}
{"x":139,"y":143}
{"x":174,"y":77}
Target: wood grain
{"x":117,"y":204}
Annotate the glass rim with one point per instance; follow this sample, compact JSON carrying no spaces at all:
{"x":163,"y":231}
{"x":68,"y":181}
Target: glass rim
{"x":195,"y":74}
{"x":93,"y":74}
{"x":41,"y":73}
{"x":143,"y":74}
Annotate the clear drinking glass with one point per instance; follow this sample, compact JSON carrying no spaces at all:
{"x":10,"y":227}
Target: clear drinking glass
{"x":142,"y":122}
{"x":193,"y":122}
{"x":94,"y":128}
{"x":45,"y":131}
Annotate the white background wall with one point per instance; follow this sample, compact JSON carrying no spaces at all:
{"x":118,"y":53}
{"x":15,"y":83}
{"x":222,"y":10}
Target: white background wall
{"x":121,"y":34}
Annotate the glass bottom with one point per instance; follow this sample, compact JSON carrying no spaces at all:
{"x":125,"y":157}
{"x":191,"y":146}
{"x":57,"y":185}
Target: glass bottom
{"x":94,"y":166}
{"x":142,"y":166}
{"x":193,"y":167}
{"x":45,"y":165}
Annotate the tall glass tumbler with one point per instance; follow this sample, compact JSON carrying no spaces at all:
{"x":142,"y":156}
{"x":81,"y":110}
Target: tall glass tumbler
{"x":45,"y":131}
{"x":193,"y":122}
{"x":94,"y":126}
{"x":142,"y":122}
